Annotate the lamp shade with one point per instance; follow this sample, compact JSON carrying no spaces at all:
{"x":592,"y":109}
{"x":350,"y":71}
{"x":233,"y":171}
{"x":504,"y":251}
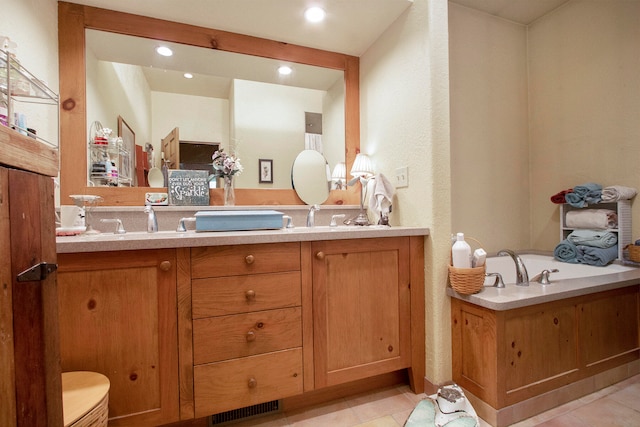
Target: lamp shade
{"x":362,"y":166}
{"x":339,"y":172}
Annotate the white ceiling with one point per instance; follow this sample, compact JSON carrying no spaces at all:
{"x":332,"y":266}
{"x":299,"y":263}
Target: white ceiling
{"x":351,"y":26}
{"x":520,"y":11}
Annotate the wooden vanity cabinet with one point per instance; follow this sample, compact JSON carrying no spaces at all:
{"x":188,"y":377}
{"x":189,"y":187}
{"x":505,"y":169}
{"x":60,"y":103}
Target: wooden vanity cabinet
{"x":118,"y":317}
{"x":361,"y":308}
{"x":505,"y":357}
{"x":247,"y":325}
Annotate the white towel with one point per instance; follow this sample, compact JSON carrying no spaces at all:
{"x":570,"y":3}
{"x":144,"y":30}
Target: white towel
{"x":382,"y":196}
{"x":313,"y":141}
{"x":600,"y":219}
{"x":618,"y":192}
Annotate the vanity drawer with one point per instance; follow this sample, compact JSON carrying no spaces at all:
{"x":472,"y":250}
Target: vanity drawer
{"x":241,"y":294}
{"x":239,"y":335}
{"x":232,"y":260}
{"x":237,"y":383}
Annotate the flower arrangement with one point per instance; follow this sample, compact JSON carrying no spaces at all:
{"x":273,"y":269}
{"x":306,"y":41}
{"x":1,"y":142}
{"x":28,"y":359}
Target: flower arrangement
{"x":225,"y":165}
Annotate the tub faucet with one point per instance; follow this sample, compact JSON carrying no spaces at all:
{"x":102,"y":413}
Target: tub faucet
{"x":522,"y":277}
{"x":311,"y":216}
{"x":152,"y":221}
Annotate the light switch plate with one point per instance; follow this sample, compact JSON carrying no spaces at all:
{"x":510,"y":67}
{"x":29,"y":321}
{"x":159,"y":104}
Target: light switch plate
{"x":402,"y":177}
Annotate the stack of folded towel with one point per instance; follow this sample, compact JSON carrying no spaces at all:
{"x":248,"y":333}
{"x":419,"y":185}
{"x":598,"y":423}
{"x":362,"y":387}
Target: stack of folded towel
{"x":600,"y":219}
{"x":592,"y":193}
{"x":592,"y":247}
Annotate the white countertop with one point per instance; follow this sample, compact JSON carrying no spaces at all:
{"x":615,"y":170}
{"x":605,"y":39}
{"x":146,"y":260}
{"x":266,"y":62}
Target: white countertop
{"x":513,"y":296}
{"x":172,"y":239}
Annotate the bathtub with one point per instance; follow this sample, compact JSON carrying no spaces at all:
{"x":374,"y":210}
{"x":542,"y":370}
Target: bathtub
{"x":536,"y":263}
{"x":571,"y":280}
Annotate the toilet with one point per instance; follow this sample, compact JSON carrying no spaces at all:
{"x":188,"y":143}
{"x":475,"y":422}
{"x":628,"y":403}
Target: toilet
{"x":85,"y":399}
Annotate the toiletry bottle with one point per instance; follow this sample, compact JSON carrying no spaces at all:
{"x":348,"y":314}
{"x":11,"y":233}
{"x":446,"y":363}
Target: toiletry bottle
{"x":461,"y":252}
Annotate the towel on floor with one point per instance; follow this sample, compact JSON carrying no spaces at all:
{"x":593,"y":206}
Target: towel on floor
{"x":566,"y":251}
{"x":597,"y":256}
{"x":595,"y":238}
{"x":382,"y":197}
{"x":584,"y":194}
{"x":599,"y":219}
{"x":618,"y":192}
{"x":559,"y":198}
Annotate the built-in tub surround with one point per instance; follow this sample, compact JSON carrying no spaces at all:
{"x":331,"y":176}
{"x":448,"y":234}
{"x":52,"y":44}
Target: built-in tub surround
{"x":521,"y":350}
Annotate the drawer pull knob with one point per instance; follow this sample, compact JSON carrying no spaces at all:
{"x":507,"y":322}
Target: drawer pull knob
{"x":251,"y":336}
{"x":250,"y":295}
{"x":253,"y":383}
{"x":320,"y":255}
{"x":165,"y":265}
{"x":249,"y":259}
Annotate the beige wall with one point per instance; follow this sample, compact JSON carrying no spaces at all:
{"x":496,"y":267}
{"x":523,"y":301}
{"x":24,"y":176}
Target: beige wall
{"x":489,"y":144}
{"x":584,"y":67}
{"x":405,"y":122}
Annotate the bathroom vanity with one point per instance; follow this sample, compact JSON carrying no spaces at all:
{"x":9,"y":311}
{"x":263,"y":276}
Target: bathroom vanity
{"x":187,"y":325}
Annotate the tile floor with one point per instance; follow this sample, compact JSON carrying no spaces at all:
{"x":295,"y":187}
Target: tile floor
{"x":614,"y":406}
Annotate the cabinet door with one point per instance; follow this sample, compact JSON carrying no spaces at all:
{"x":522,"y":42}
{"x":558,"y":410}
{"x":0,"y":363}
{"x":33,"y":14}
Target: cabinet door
{"x":118,"y":317}
{"x":361,"y":308}
{"x":30,"y":383}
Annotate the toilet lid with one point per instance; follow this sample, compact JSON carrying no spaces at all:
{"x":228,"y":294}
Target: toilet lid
{"x":81,"y":392}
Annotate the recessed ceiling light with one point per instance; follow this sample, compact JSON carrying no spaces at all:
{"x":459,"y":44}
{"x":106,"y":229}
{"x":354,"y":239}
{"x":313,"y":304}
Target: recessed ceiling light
{"x":164,"y":51}
{"x":315,"y":14}
{"x":188,"y":75}
{"x":284,"y":70}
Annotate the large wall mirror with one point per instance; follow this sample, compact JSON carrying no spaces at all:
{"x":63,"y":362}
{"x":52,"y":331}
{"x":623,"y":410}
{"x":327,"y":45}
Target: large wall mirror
{"x":87,"y":37}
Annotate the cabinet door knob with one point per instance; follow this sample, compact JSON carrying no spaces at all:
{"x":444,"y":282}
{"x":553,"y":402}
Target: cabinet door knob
{"x":251,"y":336}
{"x":253,"y":383}
{"x":320,"y":255}
{"x":250,"y":295}
{"x":249,"y":259}
{"x":165,"y":265}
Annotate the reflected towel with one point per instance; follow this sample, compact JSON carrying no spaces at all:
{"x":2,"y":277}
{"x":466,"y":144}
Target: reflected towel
{"x":559,"y":198}
{"x":584,"y":194}
{"x":566,"y":251}
{"x":599,"y":219}
{"x":597,"y":256}
{"x":618,"y":192}
{"x":595,"y":238}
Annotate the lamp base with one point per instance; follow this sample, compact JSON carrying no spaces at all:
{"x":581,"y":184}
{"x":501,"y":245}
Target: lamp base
{"x":361,"y":219}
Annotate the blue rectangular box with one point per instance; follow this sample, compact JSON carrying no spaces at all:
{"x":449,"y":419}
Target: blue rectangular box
{"x":238,"y":220}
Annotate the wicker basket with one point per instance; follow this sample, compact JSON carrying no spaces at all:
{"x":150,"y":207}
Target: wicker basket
{"x":467,"y":281}
{"x":634,"y":252}
{"x":97,"y":417}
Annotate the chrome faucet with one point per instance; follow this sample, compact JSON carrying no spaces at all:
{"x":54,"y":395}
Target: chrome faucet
{"x":152,"y":221}
{"x":311,"y":216}
{"x":522,"y":277}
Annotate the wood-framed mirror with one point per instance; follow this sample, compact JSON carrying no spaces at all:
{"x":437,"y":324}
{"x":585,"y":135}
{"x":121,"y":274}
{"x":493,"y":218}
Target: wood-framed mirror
{"x":74,"y":19}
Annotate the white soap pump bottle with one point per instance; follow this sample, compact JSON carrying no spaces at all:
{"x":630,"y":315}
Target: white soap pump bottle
{"x":461,"y":252}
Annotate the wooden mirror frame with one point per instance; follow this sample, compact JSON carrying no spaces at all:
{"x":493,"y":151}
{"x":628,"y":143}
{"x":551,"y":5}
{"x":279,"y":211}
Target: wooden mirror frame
{"x":73,"y":19}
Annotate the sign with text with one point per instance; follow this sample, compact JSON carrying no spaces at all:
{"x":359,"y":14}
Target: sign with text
{"x":188,"y":187}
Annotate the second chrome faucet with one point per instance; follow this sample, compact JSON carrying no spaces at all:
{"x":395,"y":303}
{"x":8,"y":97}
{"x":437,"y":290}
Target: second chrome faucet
{"x":522,"y":276}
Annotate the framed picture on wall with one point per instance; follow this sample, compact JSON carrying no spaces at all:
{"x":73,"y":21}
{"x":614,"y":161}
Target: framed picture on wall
{"x":265,"y":171}
{"x":127,"y":164}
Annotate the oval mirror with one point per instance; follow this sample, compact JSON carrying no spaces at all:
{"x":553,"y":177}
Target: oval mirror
{"x":310,"y":177}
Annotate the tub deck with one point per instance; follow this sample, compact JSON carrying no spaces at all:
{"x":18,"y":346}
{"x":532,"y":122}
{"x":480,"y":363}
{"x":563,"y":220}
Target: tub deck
{"x":570,"y":281}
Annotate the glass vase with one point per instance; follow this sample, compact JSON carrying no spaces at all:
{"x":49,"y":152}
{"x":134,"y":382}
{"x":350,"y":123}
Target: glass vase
{"x":229,"y":192}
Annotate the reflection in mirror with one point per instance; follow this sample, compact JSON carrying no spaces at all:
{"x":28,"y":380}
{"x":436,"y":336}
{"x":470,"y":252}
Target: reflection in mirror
{"x":311,"y":177}
{"x":234,"y":101}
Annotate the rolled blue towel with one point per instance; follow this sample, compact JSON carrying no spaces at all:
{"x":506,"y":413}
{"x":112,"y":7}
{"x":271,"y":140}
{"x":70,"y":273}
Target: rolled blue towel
{"x":566,"y":251}
{"x":595,"y":238}
{"x":582,"y":195}
{"x":598,"y":256}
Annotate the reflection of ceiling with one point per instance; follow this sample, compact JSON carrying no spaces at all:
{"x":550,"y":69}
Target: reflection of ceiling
{"x":351,"y":26}
{"x":212,"y":69}
{"x":520,"y":11}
